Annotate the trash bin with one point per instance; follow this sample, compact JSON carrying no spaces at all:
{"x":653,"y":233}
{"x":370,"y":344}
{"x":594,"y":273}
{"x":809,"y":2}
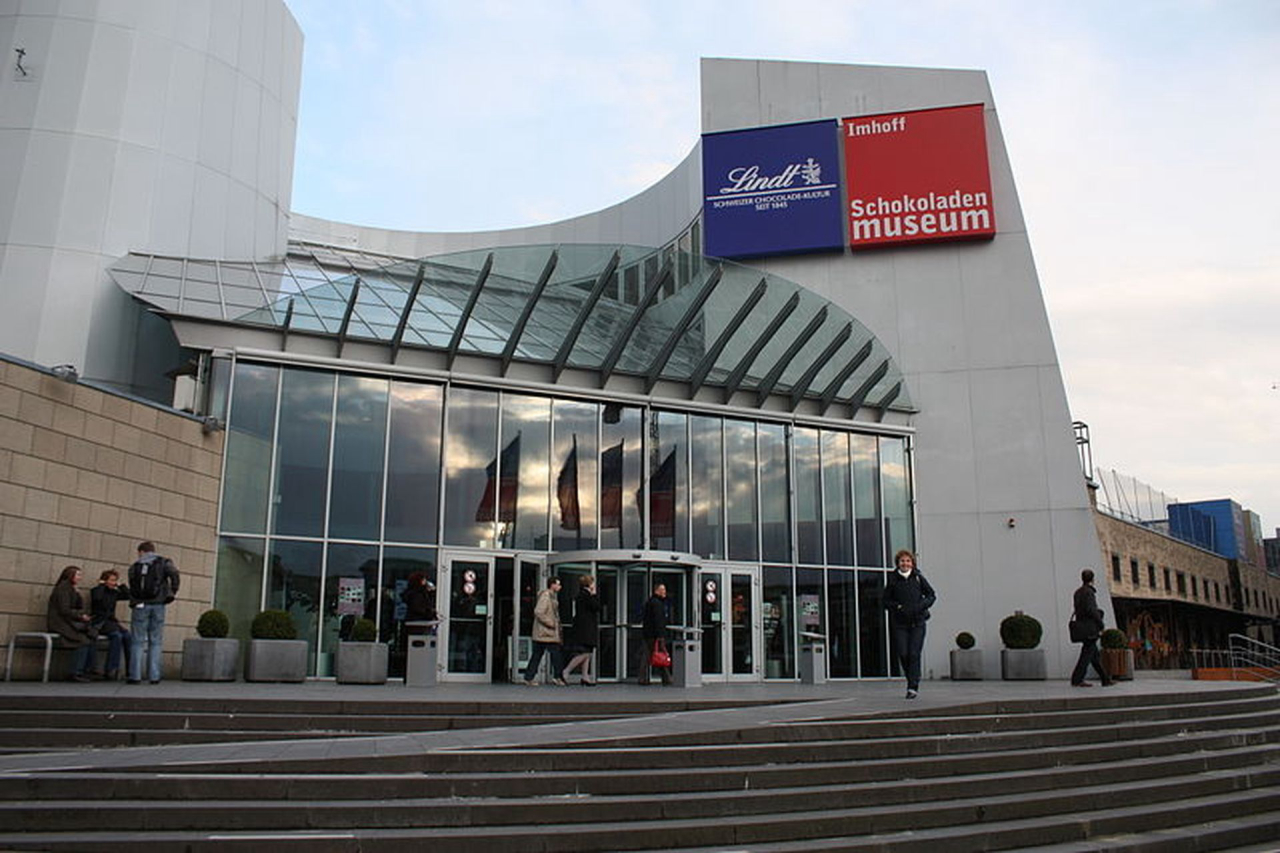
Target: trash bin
{"x":813,"y":658}
{"x":686,"y":657}
{"x":420,"y":657}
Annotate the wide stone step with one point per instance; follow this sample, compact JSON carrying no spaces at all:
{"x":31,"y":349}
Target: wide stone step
{"x":796,"y":732}
{"x":1200,"y":775}
{"x":1183,"y":753}
{"x":990,"y":824}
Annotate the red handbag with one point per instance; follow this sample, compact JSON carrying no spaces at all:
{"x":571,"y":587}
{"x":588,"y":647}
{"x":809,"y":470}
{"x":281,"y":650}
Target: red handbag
{"x":660,"y":658}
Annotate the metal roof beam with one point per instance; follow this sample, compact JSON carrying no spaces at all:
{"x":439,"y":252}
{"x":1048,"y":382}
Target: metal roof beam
{"x":806,"y":379}
{"x":288,"y":323}
{"x":346,"y":315}
{"x":740,"y":372}
{"x":859,"y":396}
{"x":509,"y":351}
{"x":456,"y":340}
{"x":775,"y":372}
{"x":712,"y":355}
{"x":888,"y":399}
{"x":834,"y":385}
{"x":403,"y":323}
{"x":562,"y":356}
{"x":615,"y":352}
{"x":669,"y":346}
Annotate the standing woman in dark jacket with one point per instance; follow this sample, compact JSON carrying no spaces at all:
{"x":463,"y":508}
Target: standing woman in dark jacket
{"x":653,"y":628}
{"x":908,"y":597}
{"x":584,"y":634}
{"x":67,"y":618}
{"x":1086,"y":612}
{"x":102,"y":605}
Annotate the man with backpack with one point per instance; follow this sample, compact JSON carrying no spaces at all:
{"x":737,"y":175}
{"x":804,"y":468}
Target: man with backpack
{"x":153,"y":583}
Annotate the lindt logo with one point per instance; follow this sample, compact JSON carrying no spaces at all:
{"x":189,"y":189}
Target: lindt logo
{"x":747,"y":179}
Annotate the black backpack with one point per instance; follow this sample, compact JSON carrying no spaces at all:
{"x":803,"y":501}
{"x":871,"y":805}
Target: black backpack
{"x":148,"y":582}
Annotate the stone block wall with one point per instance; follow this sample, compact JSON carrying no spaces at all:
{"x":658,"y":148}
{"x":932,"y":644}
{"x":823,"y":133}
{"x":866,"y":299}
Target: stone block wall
{"x":87,"y":474}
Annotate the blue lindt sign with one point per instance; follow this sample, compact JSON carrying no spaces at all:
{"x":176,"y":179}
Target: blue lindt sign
{"x":772,"y":190}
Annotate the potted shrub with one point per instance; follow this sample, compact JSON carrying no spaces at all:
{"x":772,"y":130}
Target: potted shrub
{"x":1020,"y":659}
{"x":275,"y":653}
{"x":362,"y":659}
{"x":966,"y":661}
{"x":212,"y":656}
{"x":1117,"y":657}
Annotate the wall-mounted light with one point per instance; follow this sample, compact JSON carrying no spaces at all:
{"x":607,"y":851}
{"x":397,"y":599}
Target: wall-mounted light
{"x":65,"y":372}
{"x":17,"y":65}
{"x":1011,"y":523}
{"x":210,"y":424}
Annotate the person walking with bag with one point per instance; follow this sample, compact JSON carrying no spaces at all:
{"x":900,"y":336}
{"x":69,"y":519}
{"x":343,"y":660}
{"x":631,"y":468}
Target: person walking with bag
{"x":908,"y":597}
{"x":1086,"y":617}
{"x":153,"y":583}
{"x":547,"y":634}
{"x":584,"y":633}
{"x":654,"y":631}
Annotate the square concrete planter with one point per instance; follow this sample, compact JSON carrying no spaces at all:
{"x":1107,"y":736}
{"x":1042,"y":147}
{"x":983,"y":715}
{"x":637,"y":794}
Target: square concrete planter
{"x":1023,"y":665}
{"x":966,"y":665}
{"x":362,"y":663}
{"x":276,"y":660}
{"x":210,"y":659}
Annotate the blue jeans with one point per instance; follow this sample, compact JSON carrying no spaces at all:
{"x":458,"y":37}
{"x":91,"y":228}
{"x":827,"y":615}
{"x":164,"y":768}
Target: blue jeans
{"x":120,"y":646}
{"x":148,"y":636}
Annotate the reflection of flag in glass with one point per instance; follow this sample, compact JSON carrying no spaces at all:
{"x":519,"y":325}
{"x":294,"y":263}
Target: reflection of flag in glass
{"x":611,"y":486}
{"x":662,"y":498}
{"x":507,"y":482}
{"x":567,"y":491}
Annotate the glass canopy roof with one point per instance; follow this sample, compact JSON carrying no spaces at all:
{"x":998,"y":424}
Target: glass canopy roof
{"x":657,"y":314}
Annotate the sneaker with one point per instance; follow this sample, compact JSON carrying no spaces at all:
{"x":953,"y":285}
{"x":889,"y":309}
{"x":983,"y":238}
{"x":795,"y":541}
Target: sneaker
{"x":529,"y":682}
{"x":81,"y":678}
{"x":133,"y":681}
{"x":1082,"y":684}
{"x":559,"y":682}
{"x":911,"y":694}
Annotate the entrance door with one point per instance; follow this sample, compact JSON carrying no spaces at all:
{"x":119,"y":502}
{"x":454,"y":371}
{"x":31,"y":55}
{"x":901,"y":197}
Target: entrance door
{"x":466,"y":615}
{"x":729,"y":611}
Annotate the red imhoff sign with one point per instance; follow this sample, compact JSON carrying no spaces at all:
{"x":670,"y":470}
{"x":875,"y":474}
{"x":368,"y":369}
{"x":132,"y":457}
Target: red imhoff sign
{"x":917,"y":177}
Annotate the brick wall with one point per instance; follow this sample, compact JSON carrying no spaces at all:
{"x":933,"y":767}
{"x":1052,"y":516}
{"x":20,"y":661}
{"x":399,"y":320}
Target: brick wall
{"x":85,"y":475}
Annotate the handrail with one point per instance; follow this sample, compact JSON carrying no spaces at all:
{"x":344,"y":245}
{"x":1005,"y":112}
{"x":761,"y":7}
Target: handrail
{"x":1261,"y":659}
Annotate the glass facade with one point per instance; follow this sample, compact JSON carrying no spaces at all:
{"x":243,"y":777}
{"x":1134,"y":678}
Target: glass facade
{"x":339,"y":485}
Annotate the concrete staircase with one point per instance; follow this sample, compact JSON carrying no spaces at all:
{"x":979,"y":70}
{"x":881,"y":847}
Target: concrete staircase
{"x":1171,"y":771}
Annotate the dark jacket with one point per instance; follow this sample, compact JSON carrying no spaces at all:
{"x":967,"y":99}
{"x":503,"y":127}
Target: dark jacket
{"x":102,"y":607}
{"x":65,"y":609}
{"x":1087,"y":611}
{"x":417,"y":604}
{"x":908,"y":599}
{"x":152,"y":562}
{"x":585,"y":631}
{"x":654,"y":621}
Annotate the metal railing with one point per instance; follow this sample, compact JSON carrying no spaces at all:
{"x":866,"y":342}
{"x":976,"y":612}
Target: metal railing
{"x":1255,"y":656}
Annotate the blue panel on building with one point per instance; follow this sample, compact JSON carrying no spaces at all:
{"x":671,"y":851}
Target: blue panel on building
{"x":772,"y":190}
{"x":1217,"y":526}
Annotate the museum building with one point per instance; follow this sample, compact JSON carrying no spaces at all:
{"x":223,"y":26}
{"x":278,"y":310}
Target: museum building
{"x":819,"y":340}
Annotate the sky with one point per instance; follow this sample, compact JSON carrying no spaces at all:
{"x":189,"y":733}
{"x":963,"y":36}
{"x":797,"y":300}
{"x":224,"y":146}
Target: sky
{"x":1144,"y":138}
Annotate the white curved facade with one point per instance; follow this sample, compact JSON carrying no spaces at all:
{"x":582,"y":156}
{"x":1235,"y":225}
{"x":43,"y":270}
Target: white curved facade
{"x":1002,"y":513}
{"x":142,"y":126}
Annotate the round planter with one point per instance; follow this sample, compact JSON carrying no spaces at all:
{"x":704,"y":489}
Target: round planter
{"x":1118,"y":663}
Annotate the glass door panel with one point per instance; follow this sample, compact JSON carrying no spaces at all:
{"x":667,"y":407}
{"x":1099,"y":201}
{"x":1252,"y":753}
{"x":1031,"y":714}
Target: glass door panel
{"x":744,"y":592}
{"x":468,"y":587}
{"x":712,"y":622}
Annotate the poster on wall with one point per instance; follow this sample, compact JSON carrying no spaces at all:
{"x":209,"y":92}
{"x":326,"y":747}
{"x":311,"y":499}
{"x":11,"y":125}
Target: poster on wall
{"x":917,"y":177}
{"x":772,"y":190}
